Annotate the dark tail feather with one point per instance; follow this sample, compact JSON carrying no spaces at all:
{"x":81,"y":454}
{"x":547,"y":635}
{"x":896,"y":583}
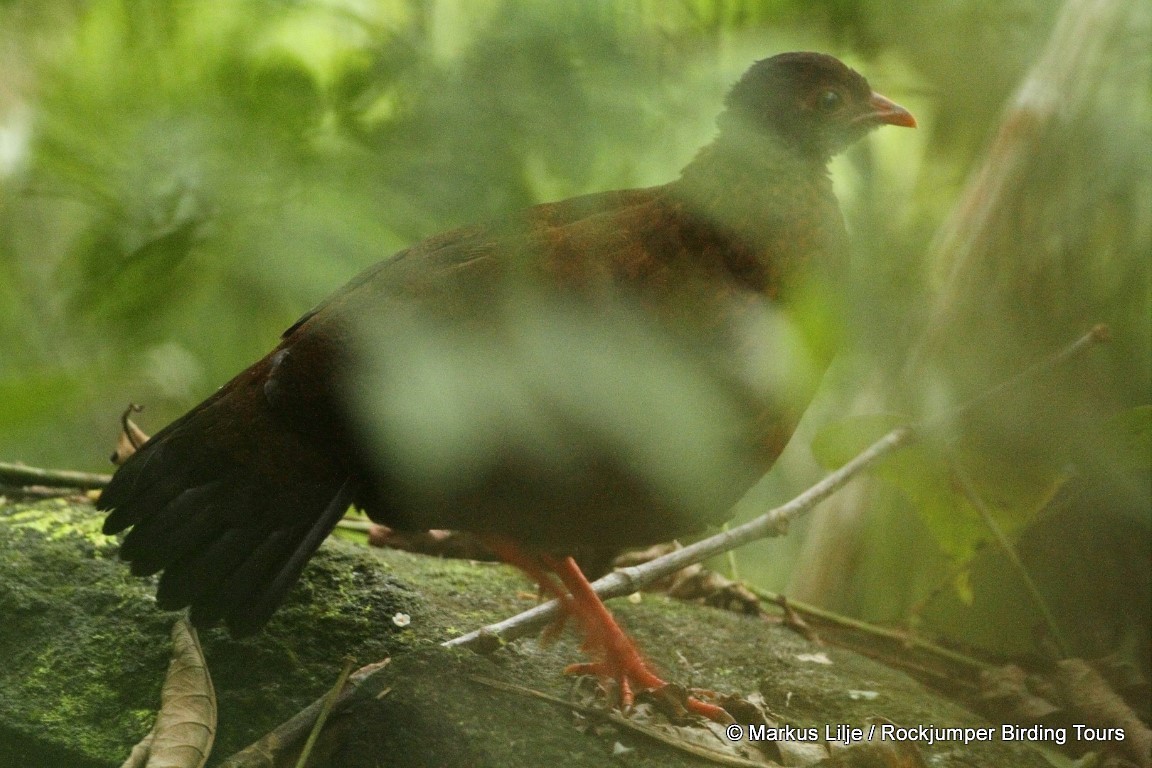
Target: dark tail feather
{"x":246,"y":616}
{"x":229,"y":503}
{"x":147,"y":481}
{"x":181,"y":526}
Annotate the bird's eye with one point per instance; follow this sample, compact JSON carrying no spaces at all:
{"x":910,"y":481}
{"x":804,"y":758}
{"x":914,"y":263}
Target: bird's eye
{"x":829,"y":101}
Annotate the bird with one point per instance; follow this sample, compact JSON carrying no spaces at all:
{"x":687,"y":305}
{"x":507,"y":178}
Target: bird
{"x":433,"y":391}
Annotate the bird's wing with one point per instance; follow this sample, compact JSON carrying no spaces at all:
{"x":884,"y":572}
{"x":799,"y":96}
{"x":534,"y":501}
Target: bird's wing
{"x":555,"y":366}
{"x":230,"y":500}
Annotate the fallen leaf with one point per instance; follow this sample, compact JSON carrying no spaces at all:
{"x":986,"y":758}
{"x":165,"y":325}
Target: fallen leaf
{"x":131,"y":436}
{"x":186,"y":724}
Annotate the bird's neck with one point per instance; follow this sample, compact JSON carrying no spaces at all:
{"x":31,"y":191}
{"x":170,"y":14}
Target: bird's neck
{"x":765,"y":199}
{"x":750,"y":172}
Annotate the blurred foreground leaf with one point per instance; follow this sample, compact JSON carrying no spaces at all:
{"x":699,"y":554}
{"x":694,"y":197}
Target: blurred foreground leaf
{"x":36,"y":396}
{"x":1134,"y":428}
{"x":926,"y":473}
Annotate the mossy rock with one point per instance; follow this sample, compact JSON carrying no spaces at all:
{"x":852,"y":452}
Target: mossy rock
{"x":86,"y":651}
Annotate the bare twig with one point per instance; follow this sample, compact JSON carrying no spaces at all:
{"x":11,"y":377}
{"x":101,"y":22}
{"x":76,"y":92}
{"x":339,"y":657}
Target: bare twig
{"x":1098,"y":334}
{"x":130,"y":430}
{"x":622,"y":722}
{"x":896,"y":635}
{"x":628,"y":580}
{"x":269,"y":749}
{"x":131,"y":437}
{"x":22,"y":475}
{"x":325,"y":710}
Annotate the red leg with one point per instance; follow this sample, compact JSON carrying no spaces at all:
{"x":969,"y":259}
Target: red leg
{"x":621,"y":660}
{"x":512,"y":554}
{"x":618,"y":657}
{"x":531,"y":565}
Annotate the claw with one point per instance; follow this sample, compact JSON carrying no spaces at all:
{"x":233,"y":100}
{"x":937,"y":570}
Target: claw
{"x":615,"y":656}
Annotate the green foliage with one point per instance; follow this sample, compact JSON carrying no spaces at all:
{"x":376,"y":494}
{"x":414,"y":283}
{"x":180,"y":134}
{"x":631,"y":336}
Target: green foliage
{"x":1134,"y":428}
{"x":34,"y":398}
{"x":199,"y":173}
{"x":926,"y":473}
{"x":180,"y":180}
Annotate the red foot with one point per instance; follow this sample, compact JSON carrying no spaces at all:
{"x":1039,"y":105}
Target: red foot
{"x":616,"y":655}
{"x":621,"y":660}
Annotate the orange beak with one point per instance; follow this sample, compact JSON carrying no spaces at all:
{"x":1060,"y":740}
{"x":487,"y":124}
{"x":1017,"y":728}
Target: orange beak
{"x":888,"y":112}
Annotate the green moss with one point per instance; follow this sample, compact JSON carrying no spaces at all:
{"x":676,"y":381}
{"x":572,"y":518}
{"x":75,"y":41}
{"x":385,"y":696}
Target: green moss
{"x":57,"y":519}
{"x":86,"y":651}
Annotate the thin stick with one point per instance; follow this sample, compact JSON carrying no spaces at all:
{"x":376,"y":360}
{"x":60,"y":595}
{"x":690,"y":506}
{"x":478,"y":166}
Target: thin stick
{"x":22,"y":474}
{"x":896,"y":635}
{"x":623,"y":722}
{"x":325,"y":710}
{"x":628,"y":580}
{"x":1099,"y":334}
{"x":730,"y":557}
{"x":269,"y":749}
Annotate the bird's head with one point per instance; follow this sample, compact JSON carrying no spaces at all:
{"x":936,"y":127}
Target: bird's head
{"x":810,"y":101}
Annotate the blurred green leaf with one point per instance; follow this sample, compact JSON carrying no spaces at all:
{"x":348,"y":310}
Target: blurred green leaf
{"x":128,"y":265}
{"x":36,"y":396}
{"x":1135,"y":427}
{"x":555,"y":385}
{"x":962,"y":586}
{"x":840,"y":440}
{"x":924,"y":473}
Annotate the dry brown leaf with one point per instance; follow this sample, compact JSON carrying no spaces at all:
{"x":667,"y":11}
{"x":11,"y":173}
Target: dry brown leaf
{"x":694,"y":583}
{"x":878,"y":752}
{"x":186,"y":725}
{"x":131,"y":436}
{"x":1010,"y":694}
